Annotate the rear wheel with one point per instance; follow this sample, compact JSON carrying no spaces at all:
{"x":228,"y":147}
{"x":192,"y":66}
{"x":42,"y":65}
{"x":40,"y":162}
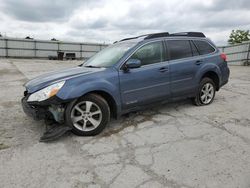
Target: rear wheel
{"x":88,"y":115}
{"x":206,"y":92}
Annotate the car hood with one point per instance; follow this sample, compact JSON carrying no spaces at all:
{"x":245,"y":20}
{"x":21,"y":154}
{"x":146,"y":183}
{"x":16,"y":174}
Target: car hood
{"x":57,"y":76}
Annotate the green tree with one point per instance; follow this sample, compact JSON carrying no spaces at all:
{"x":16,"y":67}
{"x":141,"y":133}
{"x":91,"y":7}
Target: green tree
{"x":238,"y":36}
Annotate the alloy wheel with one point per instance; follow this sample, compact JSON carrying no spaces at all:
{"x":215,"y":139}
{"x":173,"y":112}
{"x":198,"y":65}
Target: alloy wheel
{"x":207,"y":93}
{"x":86,"y":116}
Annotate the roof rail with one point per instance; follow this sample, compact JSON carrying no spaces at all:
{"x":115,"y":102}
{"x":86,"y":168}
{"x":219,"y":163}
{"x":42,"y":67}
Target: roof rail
{"x":166,"y":34}
{"x":156,"y":35}
{"x":189,"y":34}
{"x":128,"y":38}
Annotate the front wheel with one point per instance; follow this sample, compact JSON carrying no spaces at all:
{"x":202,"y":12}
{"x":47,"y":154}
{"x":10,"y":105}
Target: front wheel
{"x":206,"y":92}
{"x":88,"y":115}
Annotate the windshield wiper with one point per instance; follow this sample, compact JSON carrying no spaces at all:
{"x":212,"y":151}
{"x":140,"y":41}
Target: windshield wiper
{"x":92,"y":66}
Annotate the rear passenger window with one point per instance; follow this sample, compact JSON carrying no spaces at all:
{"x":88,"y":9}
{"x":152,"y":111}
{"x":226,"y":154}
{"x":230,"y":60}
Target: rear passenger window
{"x":203,"y":47}
{"x":179,"y":49}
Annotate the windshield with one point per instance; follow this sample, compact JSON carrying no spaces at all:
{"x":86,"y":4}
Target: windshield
{"x":109,"y":56}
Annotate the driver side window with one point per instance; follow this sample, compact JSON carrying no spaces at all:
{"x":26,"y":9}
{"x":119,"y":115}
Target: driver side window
{"x":149,"y":53}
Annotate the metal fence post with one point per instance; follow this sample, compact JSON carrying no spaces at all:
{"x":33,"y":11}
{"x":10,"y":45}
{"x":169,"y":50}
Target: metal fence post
{"x":81,"y":51}
{"x":248,"y":52}
{"x":35,"y":48}
{"x":6,"y":48}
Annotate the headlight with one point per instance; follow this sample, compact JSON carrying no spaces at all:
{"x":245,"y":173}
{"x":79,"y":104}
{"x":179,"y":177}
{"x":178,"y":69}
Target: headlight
{"x":46,"y":93}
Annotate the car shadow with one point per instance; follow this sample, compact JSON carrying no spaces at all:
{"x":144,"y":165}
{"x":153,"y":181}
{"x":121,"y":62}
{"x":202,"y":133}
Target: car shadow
{"x":131,"y":119}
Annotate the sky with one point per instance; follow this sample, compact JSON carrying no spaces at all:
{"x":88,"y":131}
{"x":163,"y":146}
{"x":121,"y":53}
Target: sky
{"x":106,"y":21}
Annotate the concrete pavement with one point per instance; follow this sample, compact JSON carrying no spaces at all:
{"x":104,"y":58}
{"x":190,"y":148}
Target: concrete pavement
{"x":173,"y":145}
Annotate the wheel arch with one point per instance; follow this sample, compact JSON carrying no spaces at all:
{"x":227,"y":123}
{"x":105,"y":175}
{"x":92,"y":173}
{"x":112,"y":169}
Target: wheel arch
{"x":214,"y":76}
{"x":110,"y":100}
{"x":109,"y":91}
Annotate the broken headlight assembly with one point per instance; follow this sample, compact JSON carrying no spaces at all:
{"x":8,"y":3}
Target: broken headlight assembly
{"x":46,"y":93}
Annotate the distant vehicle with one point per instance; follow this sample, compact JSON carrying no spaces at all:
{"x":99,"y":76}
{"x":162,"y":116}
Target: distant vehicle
{"x":127,"y":76}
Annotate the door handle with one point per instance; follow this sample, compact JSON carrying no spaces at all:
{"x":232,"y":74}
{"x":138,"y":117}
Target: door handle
{"x":163,"y":69}
{"x":198,"y":62}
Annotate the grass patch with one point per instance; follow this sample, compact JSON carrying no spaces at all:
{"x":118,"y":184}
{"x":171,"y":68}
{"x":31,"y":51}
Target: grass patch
{"x":3,"y":146}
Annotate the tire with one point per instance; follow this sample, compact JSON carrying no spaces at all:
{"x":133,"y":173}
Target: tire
{"x":205,"y":91}
{"x":88,"y":115}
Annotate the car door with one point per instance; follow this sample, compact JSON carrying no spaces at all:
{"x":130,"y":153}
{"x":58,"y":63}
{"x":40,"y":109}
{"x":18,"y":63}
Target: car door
{"x":184,"y":62}
{"x":148,"y":83}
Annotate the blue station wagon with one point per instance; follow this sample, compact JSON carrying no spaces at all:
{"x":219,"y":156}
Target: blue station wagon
{"x":127,"y":76}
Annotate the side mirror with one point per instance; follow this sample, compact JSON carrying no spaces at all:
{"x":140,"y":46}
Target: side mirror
{"x":132,"y":63}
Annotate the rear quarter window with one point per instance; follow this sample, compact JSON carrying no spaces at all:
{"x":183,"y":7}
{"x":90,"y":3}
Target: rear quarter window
{"x":203,"y":47}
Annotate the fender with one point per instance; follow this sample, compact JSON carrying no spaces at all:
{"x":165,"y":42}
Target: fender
{"x":208,"y":67}
{"x":76,"y":88}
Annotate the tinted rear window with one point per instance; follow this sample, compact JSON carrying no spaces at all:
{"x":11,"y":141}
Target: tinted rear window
{"x":203,"y":47}
{"x":179,"y":49}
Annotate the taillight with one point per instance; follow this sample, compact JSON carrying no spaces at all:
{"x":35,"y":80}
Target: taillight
{"x":223,"y":56}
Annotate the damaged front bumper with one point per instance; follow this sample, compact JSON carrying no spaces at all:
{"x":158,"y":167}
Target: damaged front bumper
{"x":50,"y":109}
{"x":33,"y":111}
{"x":53,"y":107}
